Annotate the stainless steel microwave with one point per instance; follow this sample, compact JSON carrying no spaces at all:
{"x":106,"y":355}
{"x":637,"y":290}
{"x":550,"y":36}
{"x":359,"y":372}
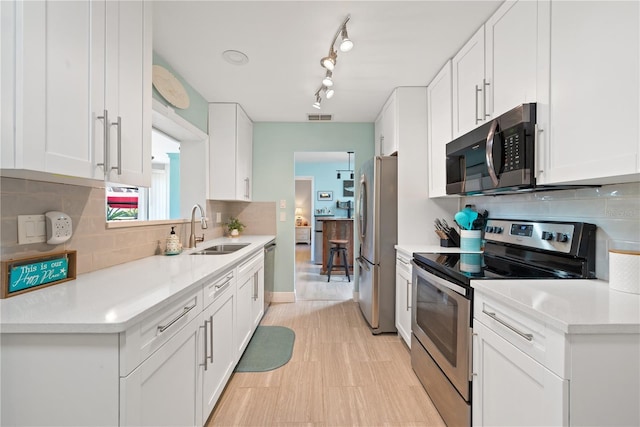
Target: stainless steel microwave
{"x":498,"y":156}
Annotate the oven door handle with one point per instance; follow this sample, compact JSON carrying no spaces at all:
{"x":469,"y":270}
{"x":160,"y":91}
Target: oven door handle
{"x":439,"y":282}
{"x":489,"y":153}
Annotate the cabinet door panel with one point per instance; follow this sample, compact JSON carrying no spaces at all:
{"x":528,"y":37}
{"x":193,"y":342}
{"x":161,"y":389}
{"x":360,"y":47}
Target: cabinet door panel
{"x":244,"y":317}
{"x":219,"y":370}
{"x":594,"y":106}
{"x":403,"y":300}
{"x":165,"y":390}
{"x":128,"y":92}
{"x":439,"y":112}
{"x":511,"y":66}
{"x":510,"y":388}
{"x":468,"y":90}
{"x":244,"y":157}
{"x":54,"y":86}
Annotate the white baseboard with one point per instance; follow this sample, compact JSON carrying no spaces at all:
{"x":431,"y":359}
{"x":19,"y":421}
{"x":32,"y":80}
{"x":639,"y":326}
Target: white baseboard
{"x":283,"y":297}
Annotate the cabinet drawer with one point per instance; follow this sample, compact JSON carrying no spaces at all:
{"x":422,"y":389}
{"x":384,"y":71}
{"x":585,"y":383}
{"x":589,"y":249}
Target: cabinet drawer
{"x":529,"y":335}
{"x":217,"y":287}
{"x":403,"y":263}
{"x":248,"y":266}
{"x":141,"y":340}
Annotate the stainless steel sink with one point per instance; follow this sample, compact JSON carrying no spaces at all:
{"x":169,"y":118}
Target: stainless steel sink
{"x":223,"y":249}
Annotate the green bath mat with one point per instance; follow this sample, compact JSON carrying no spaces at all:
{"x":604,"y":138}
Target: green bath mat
{"x":269,"y":348}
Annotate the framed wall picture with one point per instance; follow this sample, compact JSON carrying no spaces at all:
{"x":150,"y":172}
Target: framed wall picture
{"x":325,"y":195}
{"x":347,"y":188}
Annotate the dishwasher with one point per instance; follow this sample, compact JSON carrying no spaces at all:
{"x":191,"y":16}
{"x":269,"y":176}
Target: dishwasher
{"x":269,"y":272}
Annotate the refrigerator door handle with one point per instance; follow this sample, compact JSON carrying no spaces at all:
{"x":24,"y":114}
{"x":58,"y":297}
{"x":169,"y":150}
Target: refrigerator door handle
{"x":363,"y":264}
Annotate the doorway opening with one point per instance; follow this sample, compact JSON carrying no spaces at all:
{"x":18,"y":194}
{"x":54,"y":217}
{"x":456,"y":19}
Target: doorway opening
{"x":323,"y":190}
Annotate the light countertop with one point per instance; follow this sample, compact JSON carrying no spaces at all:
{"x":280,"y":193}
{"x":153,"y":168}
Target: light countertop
{"x":112,"y":299}
{"x":571,"y":306}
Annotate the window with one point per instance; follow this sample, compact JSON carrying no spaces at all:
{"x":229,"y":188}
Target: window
{"x":162,"y":199}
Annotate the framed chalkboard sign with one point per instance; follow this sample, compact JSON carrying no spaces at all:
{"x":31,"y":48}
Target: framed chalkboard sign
{"x":36,"y":272}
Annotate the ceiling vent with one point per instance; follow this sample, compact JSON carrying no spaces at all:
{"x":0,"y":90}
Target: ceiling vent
{"x":320,"y":117}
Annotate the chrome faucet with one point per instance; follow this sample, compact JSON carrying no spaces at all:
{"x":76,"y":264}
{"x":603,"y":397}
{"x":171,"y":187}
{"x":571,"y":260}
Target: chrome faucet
{"x":203,"y":222}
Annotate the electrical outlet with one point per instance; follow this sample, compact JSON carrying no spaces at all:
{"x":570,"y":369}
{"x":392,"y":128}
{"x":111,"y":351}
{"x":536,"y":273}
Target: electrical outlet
{"x":31,"y":229}
{"x":218,"y":217}
{"x":283,"y":204}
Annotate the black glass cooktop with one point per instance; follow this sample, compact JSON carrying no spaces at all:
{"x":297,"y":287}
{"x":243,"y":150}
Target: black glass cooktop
{"x":464,"y":267}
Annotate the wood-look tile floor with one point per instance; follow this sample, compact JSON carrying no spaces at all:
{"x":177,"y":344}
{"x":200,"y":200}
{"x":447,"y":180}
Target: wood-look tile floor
{"x":339,"y":375}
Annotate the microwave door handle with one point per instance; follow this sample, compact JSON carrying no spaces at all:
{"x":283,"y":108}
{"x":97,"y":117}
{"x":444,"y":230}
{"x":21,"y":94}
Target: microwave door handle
{"x":489,"y":153}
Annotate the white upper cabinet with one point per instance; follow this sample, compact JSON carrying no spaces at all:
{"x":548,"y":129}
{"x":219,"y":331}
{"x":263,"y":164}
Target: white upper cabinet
{"x":231,"y":152}
{"x":68,"y":63}
{"x":469,"y":94}
{"x":590,"y":129}
{"x":128,"y":91}
{"x":439,"y":117}
{"x":511,"y":67}
{"x":386,"y":128}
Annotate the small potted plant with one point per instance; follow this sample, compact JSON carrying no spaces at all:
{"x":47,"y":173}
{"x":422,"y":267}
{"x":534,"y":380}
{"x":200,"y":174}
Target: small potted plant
{"x":235,"y":227}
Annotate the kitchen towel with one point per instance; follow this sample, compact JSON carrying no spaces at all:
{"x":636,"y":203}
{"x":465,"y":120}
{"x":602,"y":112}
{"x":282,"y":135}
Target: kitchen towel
{"x":624,"y":271}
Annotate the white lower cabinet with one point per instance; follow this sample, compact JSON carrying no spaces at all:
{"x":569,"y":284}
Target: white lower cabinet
{"x":219,"y":319}
{"x":529,"y":373}
{"x":510,"y":388}
{"x":165,"y":389}
{"x":403,"y":298}
{"x":168,"y":369}
{"x":250,"y":301}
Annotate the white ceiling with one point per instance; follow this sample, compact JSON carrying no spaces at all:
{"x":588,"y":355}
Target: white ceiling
{"x":397,"y":43}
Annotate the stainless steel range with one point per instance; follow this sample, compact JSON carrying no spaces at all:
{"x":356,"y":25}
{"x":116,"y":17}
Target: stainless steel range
{"x":442,"y":314}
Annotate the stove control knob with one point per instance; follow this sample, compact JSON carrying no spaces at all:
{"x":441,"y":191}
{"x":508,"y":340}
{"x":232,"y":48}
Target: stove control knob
{"x":546,"y":235}
{"x":562,"y":237}
{"x":489,"y":229}
{"x":498,"y":230}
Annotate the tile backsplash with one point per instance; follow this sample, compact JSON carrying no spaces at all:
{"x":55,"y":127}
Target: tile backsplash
{"x":615,"y":209}
{"x":98,"y":246}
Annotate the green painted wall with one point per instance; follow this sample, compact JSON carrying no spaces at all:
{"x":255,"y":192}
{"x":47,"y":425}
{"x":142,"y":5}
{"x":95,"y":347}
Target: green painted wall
{"x":274,"y":147}
{"x":198,"y":111}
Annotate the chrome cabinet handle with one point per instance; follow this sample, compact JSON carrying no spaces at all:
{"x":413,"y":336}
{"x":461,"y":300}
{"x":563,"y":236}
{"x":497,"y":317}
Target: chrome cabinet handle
{"x":185,"y":310}
{"x":205,"y":345}
{"x":119,"y":124}
{"x":485,"y":84}
{"x":528,"y":337}
{"x":210,"y":339}
{"x":226,"y":282}
{"x":255,"y":286}
{"x":537,"y":146}
{"x":246,"y":188}
{"x":471,"y":353}
{"x":408,"y":292}
{"x":105,"y":161}
{"x":489,"y":153}
{"x":478,"y":89}
{"x":404,"y":261}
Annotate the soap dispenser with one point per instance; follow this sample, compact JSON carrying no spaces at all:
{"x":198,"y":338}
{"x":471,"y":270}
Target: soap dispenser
{"x":173,"y":243}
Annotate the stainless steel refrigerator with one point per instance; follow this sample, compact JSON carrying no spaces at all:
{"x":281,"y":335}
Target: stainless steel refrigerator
{"x":377,"y":228}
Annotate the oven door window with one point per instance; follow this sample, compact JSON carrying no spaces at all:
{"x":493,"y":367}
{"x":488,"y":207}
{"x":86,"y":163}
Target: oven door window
{"x":437,"y":315}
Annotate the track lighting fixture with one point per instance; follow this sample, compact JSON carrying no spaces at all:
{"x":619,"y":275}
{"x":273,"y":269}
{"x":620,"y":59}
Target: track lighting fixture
{"x":329,"y":61}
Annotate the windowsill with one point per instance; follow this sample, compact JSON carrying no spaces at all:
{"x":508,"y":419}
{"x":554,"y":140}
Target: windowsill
{"x":135,"y":223}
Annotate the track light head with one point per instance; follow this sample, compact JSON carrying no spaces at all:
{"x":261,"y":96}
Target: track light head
{"x":346,"y":44}
{"x":328,"y":92}
{"x":328,"y":81}
{"x":329,"y":62}
{"x":318,"y":100}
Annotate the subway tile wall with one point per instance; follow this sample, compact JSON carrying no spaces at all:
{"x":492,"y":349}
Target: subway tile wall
{"x":615,"y":209}
{"x":99,"y":247}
